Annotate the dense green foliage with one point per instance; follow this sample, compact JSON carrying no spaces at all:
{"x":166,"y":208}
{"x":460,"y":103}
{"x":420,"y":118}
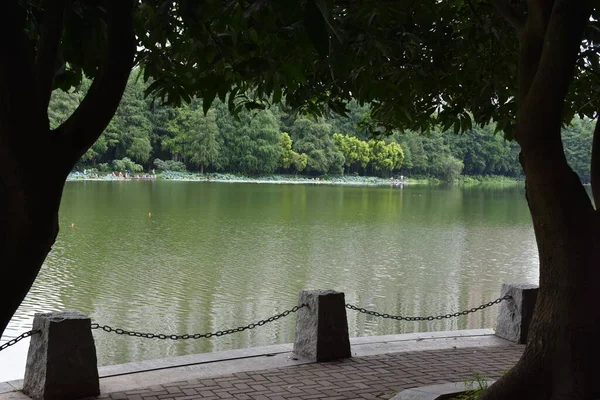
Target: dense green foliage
{"x":257,"y":142}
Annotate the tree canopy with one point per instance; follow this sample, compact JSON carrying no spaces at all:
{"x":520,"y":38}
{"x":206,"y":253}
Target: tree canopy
{"x":417,"y":65}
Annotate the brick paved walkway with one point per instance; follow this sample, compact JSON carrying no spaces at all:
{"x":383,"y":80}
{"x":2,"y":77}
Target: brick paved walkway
{"x":372,"y":377}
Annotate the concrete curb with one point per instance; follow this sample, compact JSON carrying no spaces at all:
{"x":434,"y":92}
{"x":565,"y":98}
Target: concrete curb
{"x":434,"y":392}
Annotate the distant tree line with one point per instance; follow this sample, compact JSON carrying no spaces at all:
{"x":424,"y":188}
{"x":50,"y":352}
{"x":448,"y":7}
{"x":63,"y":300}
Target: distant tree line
{"x":143,"y":135}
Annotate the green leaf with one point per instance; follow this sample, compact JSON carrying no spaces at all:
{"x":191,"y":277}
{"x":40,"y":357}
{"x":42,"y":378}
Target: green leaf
{"x":406,"y":113}
{"x":186,"y":97}
{"x":155,"y":88}
{"x":277,"y":94}
{"x":253,"y":35}
{"x":293,"y":72}
{"x":223,"y":89}
{"x":208,"y":96}
{"x":322,"y":4}
{"x":509,"y":135}
{"x":252,"y":105}
{"x":231,"y":102}
{"x":314,"y":23}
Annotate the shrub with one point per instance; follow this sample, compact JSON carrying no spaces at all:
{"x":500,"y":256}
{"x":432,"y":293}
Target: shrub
{"x":169,"y":165}
{"x":126,"y":164}
{"x":104,"y":167}
{"x":450,"y":169}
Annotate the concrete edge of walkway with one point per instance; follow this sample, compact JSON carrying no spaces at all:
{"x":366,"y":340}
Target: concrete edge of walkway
{"x":132,"y":376}
{"x":433,"y":392}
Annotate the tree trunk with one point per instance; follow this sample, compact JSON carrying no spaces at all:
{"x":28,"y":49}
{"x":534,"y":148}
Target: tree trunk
{"x":30,"y":195}
{"x":562,"y":353}
{"x":35,"y":161}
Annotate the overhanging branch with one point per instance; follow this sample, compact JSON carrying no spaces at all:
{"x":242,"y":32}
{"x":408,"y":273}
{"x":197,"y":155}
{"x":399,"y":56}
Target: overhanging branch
{"x":595,"y":166}
{"x":515,"y":19}
{"x":79,"y":132}
{"x":538,"y":129}
{"x":532,"y":43}
{"x":547,"y":74}
{"x":47,"y":49}
{"x":16,"y":68}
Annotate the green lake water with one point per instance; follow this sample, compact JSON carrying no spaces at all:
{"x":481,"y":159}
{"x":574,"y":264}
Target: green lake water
{"x":219,"y":255}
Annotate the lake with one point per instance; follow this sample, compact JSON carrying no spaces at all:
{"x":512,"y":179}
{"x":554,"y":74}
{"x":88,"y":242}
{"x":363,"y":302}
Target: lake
{"x":214,"y":256}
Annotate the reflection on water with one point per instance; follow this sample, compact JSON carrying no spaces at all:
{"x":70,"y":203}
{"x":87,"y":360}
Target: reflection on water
{"x":219,"y":255}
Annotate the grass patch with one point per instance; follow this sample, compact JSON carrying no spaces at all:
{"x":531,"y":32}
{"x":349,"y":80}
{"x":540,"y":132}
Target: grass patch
{"x":475,"y":387}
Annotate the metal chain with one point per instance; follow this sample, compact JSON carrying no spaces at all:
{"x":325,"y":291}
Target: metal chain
{"x":18,"y":339}
{"x":262,"y":322}
{"x":431,"y":317}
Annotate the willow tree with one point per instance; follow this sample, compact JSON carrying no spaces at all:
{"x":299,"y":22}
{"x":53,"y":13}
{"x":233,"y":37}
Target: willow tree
{"x":527,"y":65}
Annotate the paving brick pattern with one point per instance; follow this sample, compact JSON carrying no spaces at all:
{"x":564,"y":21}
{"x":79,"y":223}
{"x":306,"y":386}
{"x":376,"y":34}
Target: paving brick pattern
{"x":372,"y":377}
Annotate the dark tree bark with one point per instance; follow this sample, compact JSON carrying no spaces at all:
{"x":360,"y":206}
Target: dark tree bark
{"x":35,"y":161}
{"x":47,"y":50}
{"x":595,"y":164}
{"x":561,"y":357}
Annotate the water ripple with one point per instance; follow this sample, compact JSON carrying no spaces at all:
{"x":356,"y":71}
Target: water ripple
{"x":217,"y":256}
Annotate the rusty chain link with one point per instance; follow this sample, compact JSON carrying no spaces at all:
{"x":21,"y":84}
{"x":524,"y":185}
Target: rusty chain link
{"x":163,"y":336}
{"x":428,"y":318}
{"x":18,"y":339}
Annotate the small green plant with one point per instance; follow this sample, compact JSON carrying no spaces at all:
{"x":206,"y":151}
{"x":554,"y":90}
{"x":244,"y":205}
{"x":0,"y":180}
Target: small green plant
{"x":474,"y":386}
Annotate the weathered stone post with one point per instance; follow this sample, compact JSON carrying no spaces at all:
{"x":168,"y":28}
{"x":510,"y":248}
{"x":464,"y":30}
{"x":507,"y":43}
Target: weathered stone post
{"x":322,"y":327}
{"x":61,"y":363}
{"x":515,"y":314}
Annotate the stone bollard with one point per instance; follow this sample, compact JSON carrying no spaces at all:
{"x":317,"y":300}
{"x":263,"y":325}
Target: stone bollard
{"x":322,"y":327}
{"x":515,"y":314}
{"x":61,"y":363}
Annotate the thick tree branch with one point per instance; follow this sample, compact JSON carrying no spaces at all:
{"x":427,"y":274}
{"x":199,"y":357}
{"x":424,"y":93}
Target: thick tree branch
{"x":47,"y":49}
{"x":544,"y":93}
{"x":538,"y":129}
{"x":532,"y":43}
{"x":16,"y":70}
{"x":515,"y":19}
{"x":79,"y":132}
{"x":595,"y":167}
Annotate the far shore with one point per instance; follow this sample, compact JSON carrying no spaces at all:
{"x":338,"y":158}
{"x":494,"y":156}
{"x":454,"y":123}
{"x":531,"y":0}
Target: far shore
{"x":230,"y":178}
{"x":346,"y":180}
